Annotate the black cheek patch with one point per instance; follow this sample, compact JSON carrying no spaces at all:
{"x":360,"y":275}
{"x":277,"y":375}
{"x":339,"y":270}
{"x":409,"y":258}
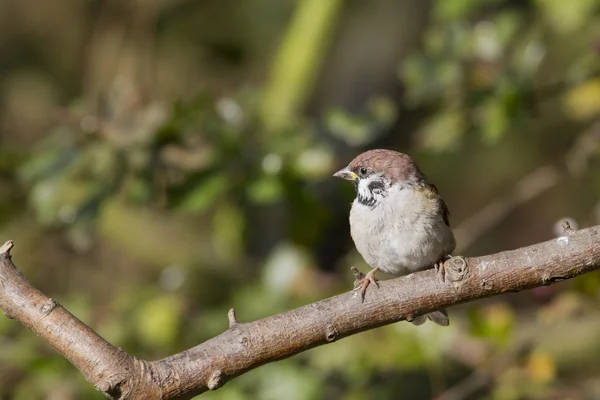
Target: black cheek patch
{"x":376,"y":186}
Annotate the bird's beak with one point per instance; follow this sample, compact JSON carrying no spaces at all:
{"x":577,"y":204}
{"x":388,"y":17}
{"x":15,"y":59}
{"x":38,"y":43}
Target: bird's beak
{"x":346,"y":174}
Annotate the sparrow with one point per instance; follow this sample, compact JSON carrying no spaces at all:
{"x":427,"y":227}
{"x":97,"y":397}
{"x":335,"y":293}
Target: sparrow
{"x":398,"y":220}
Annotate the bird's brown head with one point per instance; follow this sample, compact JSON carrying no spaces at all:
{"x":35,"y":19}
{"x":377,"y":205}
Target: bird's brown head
{"x":391,"y":165}
{"x":375,"y":171}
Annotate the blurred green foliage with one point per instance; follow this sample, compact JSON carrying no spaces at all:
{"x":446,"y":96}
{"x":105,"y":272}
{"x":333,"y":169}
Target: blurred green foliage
{"x":162,"y":162}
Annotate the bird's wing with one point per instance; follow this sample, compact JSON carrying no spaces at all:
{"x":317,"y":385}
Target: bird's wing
{"x":435,"y":195}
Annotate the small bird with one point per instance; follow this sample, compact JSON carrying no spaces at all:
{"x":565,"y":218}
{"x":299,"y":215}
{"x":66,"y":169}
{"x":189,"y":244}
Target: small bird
{"x":398,"y":221}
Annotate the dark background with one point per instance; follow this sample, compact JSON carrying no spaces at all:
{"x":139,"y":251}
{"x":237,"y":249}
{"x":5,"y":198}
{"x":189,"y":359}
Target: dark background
{"x":163,"y":161}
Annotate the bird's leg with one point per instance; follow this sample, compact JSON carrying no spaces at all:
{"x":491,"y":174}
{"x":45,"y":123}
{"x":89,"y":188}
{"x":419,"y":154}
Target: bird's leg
{"x":363,"y":281}
{"x":439,"y":267}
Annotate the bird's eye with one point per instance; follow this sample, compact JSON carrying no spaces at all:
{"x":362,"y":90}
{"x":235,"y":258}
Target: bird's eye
{"x":363,"y":171}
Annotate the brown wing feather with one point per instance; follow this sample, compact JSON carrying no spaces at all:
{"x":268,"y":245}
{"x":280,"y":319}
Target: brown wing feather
{"x":436,"y":195}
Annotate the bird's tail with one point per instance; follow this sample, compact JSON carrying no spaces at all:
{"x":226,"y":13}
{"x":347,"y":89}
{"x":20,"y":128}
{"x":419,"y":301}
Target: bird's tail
{"x":440,"y":317}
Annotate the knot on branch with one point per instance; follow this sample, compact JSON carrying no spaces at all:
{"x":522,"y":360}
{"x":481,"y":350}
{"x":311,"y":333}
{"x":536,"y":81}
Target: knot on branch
{"x":456,"y":270}
{"x":216,"y":380}
{"x":112,"y":387}
{"x":47,"y":307}
{"x":548,"y":279}
{"x":331,"y":333}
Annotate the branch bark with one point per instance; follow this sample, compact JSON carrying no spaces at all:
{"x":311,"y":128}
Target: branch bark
{"x":244,"y":346}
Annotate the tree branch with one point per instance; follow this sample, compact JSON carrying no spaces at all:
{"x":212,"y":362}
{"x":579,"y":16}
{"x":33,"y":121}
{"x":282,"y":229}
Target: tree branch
{"x":245,"y":346}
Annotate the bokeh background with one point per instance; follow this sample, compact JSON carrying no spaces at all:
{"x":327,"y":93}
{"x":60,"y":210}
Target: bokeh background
{"x":163,"y":161}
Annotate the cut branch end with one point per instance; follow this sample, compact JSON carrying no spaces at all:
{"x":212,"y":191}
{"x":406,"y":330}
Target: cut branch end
{"x":567,"y":227}
{"x":6,"y":247}
{"x":232,"y":318}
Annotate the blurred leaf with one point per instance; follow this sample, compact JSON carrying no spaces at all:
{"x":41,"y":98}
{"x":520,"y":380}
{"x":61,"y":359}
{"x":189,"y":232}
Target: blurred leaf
{"x":287,"y":380}
{"x":283,"y":267}
{"x":354,"y":130}
{"x":566,"y":17}
{"x":495,"y":122}
{"x":382,"y":110}
{"x":357,"y":130}
{"x":50,"y":157}
{"x":508,"y":24}
{"x":157,"y":321}
{"x":299,"y":54}
{"x":138,"y":190}
{"x":228,"y":227}
{"x":588,"y":284}
{"x":79,"y":305}
{"x":231,"y":391}
{"x":442,"y":132}
{"x":205,"y":194}
{"x":314,"y":163}
{"x":583,"y":101}
{"x":158,"y":239}
{"x":541,"y":367}
{"x":45,"y":202}
{"x":562,"y":307}
{"x":265,"y":190}
{"x":495,"y":322}
{"x":456,"y":9}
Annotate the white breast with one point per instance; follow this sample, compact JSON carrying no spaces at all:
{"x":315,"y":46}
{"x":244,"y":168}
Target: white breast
{"x":403,"y":233}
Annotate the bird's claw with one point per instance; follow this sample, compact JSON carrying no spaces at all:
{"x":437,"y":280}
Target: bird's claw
{"x":441,"y":271}
{"x":440,"y":267}
{"x":363,"y":281}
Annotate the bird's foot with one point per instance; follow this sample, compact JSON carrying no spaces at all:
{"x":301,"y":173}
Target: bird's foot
{"x":363,"y":281}
{"x":440,"y":268}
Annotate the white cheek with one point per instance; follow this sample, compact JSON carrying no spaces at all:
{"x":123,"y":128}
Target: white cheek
{"x":363,"y":188}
